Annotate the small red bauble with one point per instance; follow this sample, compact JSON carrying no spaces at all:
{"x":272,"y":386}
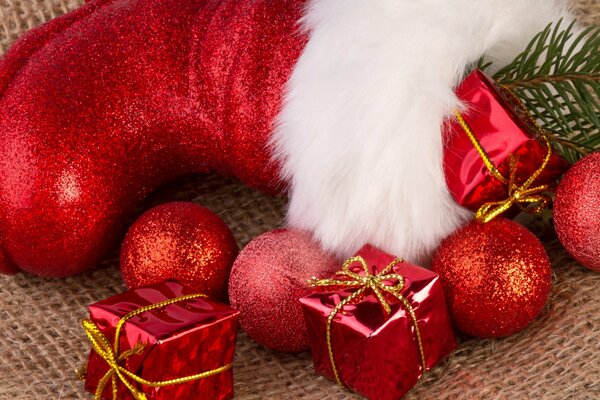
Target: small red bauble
{"x":181,"y":241}
{"x":496,"y":277}
{"x":577,"y":211}
{"x":268,"y":277}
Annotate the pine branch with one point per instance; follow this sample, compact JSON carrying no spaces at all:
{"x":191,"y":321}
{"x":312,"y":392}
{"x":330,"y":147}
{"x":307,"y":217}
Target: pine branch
{"x":550,"y":79}
{"x":557,"y":77}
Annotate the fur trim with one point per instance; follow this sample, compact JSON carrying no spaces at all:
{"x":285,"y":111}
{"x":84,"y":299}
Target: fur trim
{"x":359,"y":135}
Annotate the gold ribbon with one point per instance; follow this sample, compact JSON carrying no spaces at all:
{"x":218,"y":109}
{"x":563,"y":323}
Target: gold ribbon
{"x":113,"y":358}
{"x":378,"y":285}
{"x":519,"y":195}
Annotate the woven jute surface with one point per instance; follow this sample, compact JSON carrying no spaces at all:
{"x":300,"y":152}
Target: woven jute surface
{"x":41,"y":342}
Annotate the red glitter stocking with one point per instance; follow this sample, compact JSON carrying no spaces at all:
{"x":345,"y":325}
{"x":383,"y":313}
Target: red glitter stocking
{"x":101,"y":106}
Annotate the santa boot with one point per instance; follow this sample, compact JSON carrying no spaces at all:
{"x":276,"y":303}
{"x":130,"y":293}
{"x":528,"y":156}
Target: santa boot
{"x":99,"y":107}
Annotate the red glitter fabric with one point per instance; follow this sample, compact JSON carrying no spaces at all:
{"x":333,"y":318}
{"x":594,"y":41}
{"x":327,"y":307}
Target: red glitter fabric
{"x":99,"y":107}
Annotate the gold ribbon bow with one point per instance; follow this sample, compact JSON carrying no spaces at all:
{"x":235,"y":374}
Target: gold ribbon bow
{"x":517,"y":194}
{"x":379,"y":285}
{"x":113,"y":358}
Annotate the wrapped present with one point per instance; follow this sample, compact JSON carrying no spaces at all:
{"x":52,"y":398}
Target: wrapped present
{"x":495,"y":155}
{"x":161,"y":341}
{"x":378,"y":324}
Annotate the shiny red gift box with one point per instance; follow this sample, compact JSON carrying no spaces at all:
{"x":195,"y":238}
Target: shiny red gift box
{"x":378,"y":354}
{"x":182,"y":339}
{"x":500,"y":127}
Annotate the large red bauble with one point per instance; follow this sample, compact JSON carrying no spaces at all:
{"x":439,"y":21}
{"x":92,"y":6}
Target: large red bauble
{"x":577,"y":211}
{"x":496,"y":277}
{"x":102,"y":105}
{"x":268,"y":277}
{"x":180,"y":241}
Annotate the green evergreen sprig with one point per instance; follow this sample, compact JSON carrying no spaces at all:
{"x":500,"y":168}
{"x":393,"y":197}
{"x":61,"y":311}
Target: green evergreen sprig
{"x":557,"y":77}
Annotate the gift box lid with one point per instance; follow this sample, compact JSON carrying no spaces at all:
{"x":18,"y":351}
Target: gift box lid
{"x":163,"y":323}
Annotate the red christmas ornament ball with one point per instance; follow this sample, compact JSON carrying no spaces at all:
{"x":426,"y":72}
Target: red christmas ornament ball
{"x":268,"y":278}
{"x":181,"y":241}
{"x":577,"y":211}
{"x":496,"y":277}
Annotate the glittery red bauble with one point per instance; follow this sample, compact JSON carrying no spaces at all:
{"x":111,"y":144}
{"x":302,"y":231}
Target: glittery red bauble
{"x":180,"y":241}
{"x":101,"y":106}
{"x":577,"y":211}
{"x":268,"y":278}
{"x":496,"y":277}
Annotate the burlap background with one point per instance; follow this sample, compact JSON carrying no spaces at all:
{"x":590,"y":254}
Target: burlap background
{"x":41,"y":342}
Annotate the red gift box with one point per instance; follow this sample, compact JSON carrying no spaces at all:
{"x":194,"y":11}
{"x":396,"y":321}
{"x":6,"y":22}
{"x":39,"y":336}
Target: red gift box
{"x":500,"y":125}
{"x":165,"y":332}
{"x":378,"y":324}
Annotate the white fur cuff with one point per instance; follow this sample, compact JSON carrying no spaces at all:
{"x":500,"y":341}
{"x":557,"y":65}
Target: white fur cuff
{"x":360,"y":133}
